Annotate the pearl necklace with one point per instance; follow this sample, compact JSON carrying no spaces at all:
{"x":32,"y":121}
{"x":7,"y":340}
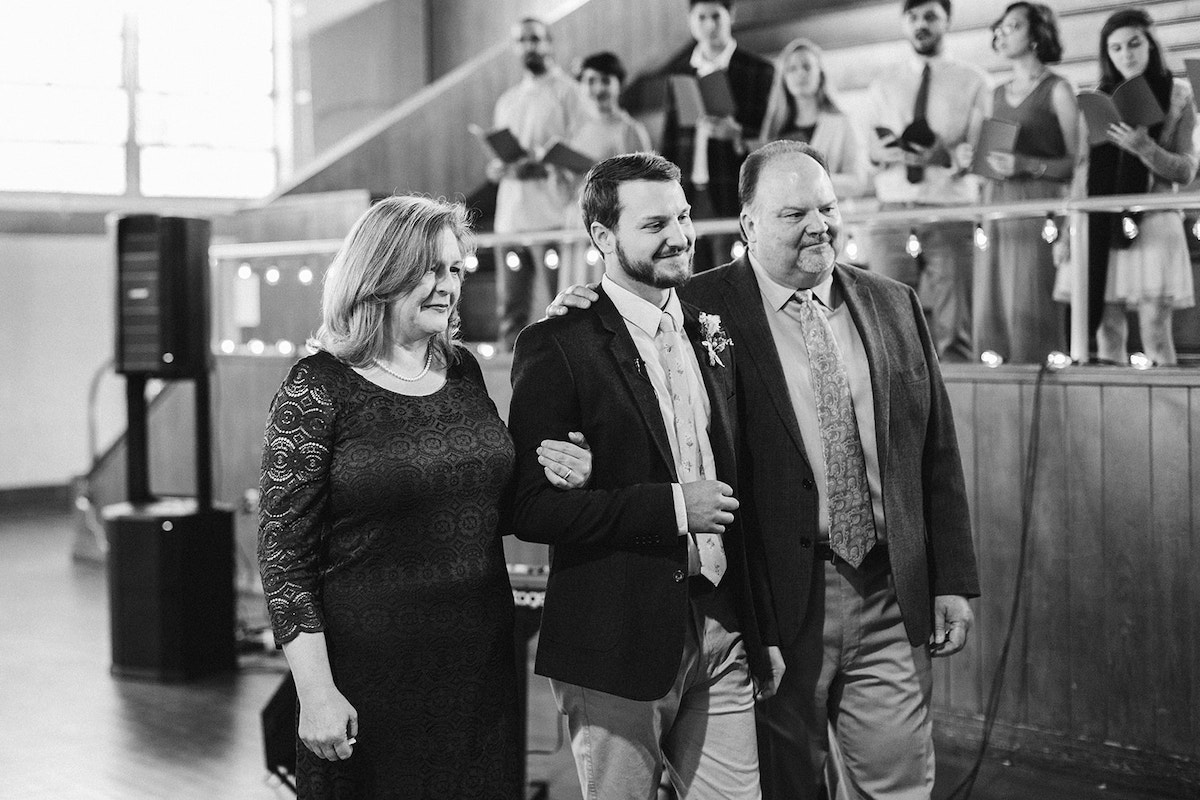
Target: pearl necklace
{"x":424,"y":371}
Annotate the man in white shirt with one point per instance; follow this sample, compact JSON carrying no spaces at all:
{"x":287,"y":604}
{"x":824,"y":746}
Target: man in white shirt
{"x":545,"y":105}
{"x":919,"y":111}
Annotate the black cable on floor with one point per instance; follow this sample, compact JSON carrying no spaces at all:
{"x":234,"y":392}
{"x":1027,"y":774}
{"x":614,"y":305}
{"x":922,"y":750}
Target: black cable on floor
{"x":1029,"y":481}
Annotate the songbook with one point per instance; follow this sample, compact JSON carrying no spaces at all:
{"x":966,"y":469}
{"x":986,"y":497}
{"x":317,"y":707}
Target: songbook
{"x":994,"y":135}
{"x":566,"y":157}
{"x":1133,"y":102}
{"x":697,"y":97}
{"x":917,"y":136}
{"x":500,"y":142}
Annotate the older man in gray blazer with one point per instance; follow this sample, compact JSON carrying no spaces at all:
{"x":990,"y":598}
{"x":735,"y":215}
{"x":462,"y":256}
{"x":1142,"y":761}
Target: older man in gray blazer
{"x":852,"y":481}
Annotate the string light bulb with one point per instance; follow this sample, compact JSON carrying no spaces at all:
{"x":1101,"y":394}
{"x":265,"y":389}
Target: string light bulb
{"x":1196,"y":228}
{"x":245,"y":271}
{"x":1050,"y":230}
{"x":981,"y":239}
{"x":551,"y":258}
{"x":851,"y":248}
{"x":512,"y":260}
{"x":471,"y":262}
{"x":1057,"y":360}
{"x":1129,"y":227}
{"x":306,"y":276}
{"x":990,"y":358}
{"x":1140,"y":361}
{"x":285,"y":347}
{"x":737,"y":250}
{"x":272,"y":275}
{"x":913,"y":245}
{"x":593,"y":256}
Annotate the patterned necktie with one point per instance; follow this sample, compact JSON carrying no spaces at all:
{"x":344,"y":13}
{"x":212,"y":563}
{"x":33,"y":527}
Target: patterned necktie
{"x":914,"y":173}
{"x":689,"y":463}
{"x":851,"y":519}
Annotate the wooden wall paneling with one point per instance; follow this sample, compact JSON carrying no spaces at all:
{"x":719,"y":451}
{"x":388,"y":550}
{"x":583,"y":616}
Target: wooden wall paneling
{"x":1129,"y":576}
{"x":1172,"y":675}
{"x":1047,"y":599}
{"x":959,"y":677}
{"x":999,"y":456}
{"x":1191,"y":620}
{"x":1087,"y":566}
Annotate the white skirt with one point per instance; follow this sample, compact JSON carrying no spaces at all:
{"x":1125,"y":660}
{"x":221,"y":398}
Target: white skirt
{"x":1155,"y":267}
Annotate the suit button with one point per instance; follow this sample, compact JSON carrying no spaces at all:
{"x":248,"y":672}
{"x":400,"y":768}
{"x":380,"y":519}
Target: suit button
{"x":679,"y":576}
{"x":807,"y":483}
{"x":806,"y":543}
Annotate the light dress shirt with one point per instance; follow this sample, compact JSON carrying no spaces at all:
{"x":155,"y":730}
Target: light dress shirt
{"x":705,"y":66}
{"x":642,"y":318}
{"x":537,"y":110}
{"x":954,"y":90}
{"x":793,"y":354}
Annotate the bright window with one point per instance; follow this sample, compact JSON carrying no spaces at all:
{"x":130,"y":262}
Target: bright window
{"x":190,"y":85}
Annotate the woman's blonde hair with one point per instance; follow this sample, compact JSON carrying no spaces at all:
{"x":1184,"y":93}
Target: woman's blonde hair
{"x":781,"y":108}
{"x":389,"y":249}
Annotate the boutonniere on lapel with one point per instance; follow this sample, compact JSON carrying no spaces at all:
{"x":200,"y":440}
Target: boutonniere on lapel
{"x":715,"y":338}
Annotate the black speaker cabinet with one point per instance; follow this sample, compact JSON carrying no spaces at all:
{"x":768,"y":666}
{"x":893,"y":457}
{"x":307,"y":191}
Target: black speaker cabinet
{"x":170,"y":589}
{"x":162,"y":296}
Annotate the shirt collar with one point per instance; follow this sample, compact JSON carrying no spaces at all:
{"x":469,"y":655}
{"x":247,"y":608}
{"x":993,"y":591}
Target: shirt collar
{"x":640,"y":312}
{"x":553,"y":70}
{"x":917,"y":62}
{"x":704,"y":66}
{"x":778,"y":295}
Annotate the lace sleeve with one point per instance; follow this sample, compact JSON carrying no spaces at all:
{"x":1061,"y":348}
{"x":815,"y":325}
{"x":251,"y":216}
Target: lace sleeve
{"x":293,"y":516}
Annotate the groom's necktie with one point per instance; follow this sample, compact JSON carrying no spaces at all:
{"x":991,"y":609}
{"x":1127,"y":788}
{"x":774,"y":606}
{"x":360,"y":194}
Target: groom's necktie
{"x":847,"y":493}
{"x":688,"y":463}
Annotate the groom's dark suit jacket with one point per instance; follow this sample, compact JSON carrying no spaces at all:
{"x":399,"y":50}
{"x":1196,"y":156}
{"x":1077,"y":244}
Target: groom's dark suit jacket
{"x":924,"y":497}
{"x":617,"y":604}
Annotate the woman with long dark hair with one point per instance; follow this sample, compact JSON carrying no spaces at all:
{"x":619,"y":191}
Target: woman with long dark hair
{"x":1150,"y":272}
{"x":1014,"y":310}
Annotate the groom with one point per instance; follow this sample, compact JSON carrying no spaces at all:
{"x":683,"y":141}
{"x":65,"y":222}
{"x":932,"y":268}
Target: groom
{"x":647,"y":629}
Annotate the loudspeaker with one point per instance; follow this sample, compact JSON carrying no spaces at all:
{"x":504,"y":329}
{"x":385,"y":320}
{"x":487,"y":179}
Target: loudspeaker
{"x":170,"y":589}
{"x":162,"y":296}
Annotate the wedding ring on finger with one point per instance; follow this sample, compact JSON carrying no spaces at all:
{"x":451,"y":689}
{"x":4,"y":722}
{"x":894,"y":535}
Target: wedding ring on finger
{"x":567,"y":477}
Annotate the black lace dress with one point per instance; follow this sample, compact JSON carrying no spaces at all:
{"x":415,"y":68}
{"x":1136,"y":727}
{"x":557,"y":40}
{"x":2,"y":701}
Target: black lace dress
{"x":379,"y":526}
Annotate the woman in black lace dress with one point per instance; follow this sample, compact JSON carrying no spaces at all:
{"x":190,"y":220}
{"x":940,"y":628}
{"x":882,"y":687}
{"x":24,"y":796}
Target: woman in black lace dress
{"x":385,"y":471}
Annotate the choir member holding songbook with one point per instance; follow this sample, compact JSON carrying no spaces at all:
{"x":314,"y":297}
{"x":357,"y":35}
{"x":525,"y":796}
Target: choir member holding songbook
{"x":710,"y":150}
{"x":1138,"y":261}
{"x":1024,"y":141}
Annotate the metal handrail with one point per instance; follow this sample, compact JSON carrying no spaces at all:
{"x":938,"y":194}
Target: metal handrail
{"x":855,"y":213}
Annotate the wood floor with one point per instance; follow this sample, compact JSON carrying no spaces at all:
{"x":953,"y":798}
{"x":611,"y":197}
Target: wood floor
{"x":70,"y":730}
